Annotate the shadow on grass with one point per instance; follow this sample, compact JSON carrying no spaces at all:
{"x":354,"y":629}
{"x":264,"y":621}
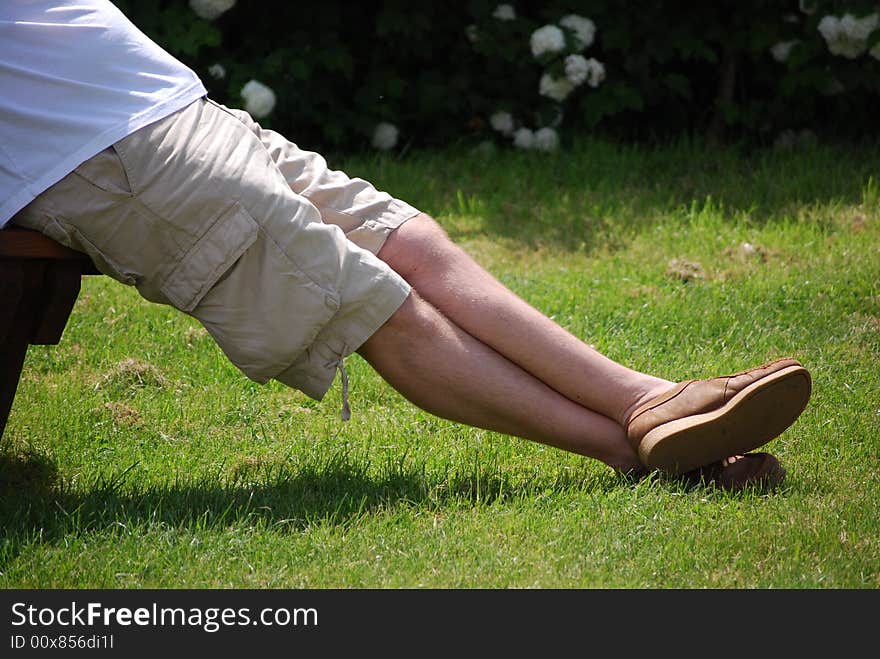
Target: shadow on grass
{"x":27,"y":474}
{"x":37,"y":505}
{"x":596,"y":193}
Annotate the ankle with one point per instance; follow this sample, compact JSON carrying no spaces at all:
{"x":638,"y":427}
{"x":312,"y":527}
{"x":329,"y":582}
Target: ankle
{"x":649,"y":391}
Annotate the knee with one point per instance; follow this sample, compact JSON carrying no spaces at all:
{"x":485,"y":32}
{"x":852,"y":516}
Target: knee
{"x":418,"y":248}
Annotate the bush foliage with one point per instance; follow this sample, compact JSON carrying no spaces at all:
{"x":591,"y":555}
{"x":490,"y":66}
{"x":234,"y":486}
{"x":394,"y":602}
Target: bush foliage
{"x":437,"y":71}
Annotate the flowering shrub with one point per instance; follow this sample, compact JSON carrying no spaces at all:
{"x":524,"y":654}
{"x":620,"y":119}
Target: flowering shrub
{"x":385,"y":136}
{"x":547,"y":41}
{"x":528,"y":74}
{"x":848,"y":35}
{"x":750,"y":68}
{"x":528,"y":114}
{"x":259,"y":100}
{"x":211,"y":9}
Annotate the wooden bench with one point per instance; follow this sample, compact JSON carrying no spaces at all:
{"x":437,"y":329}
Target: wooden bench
{"x":39,"y":283}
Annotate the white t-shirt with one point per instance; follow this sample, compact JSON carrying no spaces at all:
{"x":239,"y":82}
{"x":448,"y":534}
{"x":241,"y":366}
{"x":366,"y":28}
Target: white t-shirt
{"x":75,"y":77}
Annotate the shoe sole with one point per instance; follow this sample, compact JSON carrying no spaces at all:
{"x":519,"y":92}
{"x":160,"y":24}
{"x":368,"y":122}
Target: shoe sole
{"x":756,"y":415}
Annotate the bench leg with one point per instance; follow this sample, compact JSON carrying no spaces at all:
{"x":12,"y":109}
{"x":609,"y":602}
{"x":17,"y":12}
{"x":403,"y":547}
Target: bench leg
{"x":11,"y":361}
{"x":36,"y":298}
{"x":14,"y":331}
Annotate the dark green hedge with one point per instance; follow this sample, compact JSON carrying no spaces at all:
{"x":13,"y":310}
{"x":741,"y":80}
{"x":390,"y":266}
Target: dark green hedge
{"x":337,"y":69}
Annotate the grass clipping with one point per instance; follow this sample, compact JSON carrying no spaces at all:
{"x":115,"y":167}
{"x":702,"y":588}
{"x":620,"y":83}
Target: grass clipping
{"x":130,"y":375}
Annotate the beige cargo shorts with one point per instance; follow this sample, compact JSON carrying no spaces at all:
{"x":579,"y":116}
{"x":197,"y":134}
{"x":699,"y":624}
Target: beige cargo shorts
{"x":274,"y":253}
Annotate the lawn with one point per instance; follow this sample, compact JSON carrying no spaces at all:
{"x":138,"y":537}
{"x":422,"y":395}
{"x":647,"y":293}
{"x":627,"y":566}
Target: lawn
{"x":137,"y":456}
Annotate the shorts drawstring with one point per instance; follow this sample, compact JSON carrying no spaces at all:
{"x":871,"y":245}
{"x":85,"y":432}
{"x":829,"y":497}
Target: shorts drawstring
{"x":346,"y":410}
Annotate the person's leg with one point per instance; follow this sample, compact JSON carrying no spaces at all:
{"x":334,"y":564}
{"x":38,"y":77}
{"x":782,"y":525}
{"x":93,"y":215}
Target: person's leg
{"x":447,"y":277}
{"x":468,"y":297}
{"x":441,"y":369}
{"x":447,"y":372}
{"x":674,"y":427}
{"x":285,"y":295}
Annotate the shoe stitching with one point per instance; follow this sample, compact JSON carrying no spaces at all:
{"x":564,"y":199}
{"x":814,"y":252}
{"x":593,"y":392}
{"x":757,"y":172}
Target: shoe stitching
{"x":651,"y":405}
{"x":658,"y":401}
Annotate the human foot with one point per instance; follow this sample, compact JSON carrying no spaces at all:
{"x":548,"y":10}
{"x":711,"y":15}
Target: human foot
{"x":734,"y":473}
{"x":760,"y":470}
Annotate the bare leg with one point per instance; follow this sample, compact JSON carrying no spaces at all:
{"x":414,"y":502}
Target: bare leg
{"x":448,"y":278}
{"x":447,"y":372}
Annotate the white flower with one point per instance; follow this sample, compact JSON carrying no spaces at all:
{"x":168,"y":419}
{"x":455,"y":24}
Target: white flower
{"x":859,"y":29}
{"x":576,"y":69}
{"x":210,"y":9}
{"x":579,"y":70}
{"x":471,"y":33}
{"x":385,"y":136}
{"x":546,"y":139}
{"x":217,"y":71}
{"x":595,"y":72}
{"x":782,"y":49}
{"x":836,"y":39}
{"x":807,"y":6}
{"x":524,"y":138}
{"x":847,"y":36}
{"x":829,"y":27}
{"x":556,"y":88}
{"x":504,"y":13}
{"x":547,"y":39}
{"x":584,"y":29}
{"x":259,"y":100}
{"x":502,"y":122}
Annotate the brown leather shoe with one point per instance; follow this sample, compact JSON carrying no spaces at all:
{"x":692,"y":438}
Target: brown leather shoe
{"x":699,"y":422}
{"x":759,"y":470}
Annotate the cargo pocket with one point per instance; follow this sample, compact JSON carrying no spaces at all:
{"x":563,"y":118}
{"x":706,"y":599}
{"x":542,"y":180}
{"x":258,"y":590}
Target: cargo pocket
{"x":107,"y":172}
{"x":70,"y":236}
{"x":210,"y":257}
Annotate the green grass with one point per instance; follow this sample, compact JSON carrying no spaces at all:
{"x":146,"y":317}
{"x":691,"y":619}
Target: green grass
{"x":136,"y":456}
